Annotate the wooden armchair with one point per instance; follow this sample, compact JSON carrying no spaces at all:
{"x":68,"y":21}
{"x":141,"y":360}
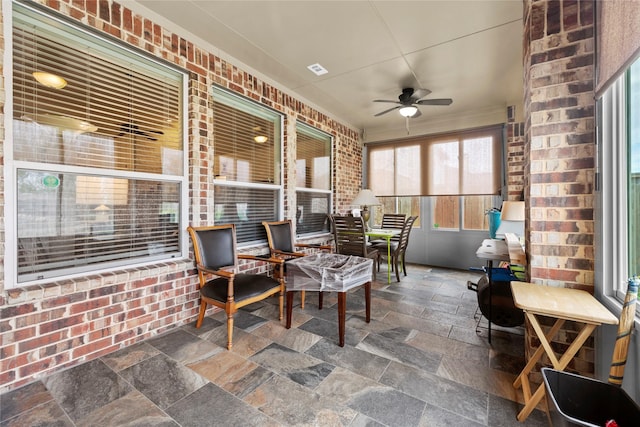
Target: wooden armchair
{"x":282,"y":245}
{"x":215,"y":252}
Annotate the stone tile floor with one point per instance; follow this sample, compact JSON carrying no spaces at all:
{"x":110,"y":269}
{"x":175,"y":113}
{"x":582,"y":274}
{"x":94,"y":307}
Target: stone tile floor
{"x":419,"y":362}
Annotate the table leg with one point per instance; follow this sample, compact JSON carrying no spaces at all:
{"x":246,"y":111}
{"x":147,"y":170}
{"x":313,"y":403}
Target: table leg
{"x":489,"y":274}
{"x":342,"y":314}
{"x":388,"y":259}
{"x":289,"y":308}
{"x":531,"y":401}
{"x":540,"y":350}
{"x":367,"y":301}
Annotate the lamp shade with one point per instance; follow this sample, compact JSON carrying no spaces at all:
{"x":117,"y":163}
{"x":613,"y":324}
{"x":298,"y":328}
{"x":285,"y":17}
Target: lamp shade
{"x":512,"y":211}
{"x":365,"y":198}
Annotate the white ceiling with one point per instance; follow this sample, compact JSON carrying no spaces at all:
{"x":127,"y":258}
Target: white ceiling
{"x":470,"y":51}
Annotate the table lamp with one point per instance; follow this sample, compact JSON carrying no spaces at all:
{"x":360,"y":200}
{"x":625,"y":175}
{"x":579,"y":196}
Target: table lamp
{"x":365,"y":198}
{"x":511,"y":219}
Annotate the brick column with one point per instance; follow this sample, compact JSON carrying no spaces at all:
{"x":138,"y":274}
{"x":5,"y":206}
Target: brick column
{"x":515,"y":155}
{"x":559,"y":148}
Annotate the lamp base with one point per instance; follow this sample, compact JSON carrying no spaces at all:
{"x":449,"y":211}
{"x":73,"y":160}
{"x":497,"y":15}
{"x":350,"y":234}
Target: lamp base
{"x":365,"y":216}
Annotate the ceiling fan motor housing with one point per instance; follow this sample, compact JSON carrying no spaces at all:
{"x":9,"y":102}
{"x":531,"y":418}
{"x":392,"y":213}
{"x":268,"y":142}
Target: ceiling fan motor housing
{"x":405,"y":96}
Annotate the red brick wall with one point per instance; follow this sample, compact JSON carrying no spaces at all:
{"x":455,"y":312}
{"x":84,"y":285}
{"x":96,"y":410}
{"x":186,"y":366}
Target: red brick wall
{"x":560,"y":142}
{"x":52,"y":326}
{"x":515,"y":160}
{"x":559,"y":149}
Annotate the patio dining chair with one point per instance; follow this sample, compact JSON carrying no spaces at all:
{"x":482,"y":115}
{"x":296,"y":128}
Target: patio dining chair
{"x":391,"y":221}
{"x":398,"y":248}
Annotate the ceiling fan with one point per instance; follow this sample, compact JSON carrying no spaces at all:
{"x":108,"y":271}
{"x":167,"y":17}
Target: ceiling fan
{"x":408,"y":101}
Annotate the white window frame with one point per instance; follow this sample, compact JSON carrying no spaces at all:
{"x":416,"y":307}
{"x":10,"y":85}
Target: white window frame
{"x":245,"y":104}
{"x":611,"y":201}
{"x":329,"y":192}
{"x":12,"y":166}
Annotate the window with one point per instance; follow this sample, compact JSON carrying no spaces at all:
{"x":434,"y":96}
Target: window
{"x":395,"y":170}
{"x":473,"y":216}
{"x":247,"y":142}
{"x":97,"y":166}
{"x":633,"y":175}
{"x":619,"y":160}
{"x":313,"y":180}
{"x":461,"y":172}
{"x":410,"y":206}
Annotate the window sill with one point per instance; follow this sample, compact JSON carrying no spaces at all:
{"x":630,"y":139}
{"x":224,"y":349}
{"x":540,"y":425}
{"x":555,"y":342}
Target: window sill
{"x":59,"y":286}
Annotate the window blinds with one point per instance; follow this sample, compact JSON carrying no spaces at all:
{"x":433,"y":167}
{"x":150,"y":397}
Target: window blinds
{"x":464,"y":163}
{"x":617,"y":40}
{"x":247,"y":145}
{"x":98,"y":163}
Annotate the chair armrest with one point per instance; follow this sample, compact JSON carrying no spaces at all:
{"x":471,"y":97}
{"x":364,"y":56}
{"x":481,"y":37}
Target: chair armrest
{"x":314,"y":245}
{"x":273,"y":260}
{"x":291,"y":254}
{"x":222,"y":273}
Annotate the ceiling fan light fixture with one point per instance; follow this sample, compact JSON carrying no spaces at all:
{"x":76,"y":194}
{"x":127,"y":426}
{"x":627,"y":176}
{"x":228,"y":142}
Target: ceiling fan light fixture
{"x":49,"y":79}
{"x":408,"y":111}
{"x":260,"y":139}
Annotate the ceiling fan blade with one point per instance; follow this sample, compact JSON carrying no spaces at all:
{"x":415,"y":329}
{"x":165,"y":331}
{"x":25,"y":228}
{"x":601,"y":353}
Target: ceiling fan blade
{"x":386,"y":111}
{"x":385,"y":100}
{"x":419,"y":93}
{"x":438,"y":101}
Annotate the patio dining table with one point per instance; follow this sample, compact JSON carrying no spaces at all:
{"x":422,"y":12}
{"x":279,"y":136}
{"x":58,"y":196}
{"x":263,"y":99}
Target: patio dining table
{"x":386,"y":234}
{"x":325,"y":272}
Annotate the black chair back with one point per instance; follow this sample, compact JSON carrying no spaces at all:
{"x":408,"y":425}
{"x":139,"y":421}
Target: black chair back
{"x":215,"y":247}
{"x":280,"y":236}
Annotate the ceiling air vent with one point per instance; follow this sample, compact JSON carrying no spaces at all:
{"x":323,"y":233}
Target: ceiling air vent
{"x":317,"y":69}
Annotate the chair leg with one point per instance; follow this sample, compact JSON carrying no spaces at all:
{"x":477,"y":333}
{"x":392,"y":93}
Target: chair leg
{"x":320,"y":300}
{"x":229,"y":331}
{"x":302,"y":295}
{"x":395,"y":262}
{"x":281,"y":303}
{"x":203,"y":310}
